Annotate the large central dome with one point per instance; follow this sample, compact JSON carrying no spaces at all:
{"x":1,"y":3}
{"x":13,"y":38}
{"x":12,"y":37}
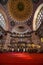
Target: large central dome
{"x":20,"y":10}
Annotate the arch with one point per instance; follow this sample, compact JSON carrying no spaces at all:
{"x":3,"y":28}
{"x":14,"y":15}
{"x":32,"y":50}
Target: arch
{"x":38,"y":16}
{"x":3,"y":19}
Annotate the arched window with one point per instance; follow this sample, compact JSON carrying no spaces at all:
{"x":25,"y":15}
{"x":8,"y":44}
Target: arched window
{"x":3,"y":19}
{"x":38,"y":17}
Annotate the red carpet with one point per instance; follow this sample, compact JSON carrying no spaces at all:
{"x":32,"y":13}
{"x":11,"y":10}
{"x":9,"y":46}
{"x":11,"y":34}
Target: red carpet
{"x":21,"y":59}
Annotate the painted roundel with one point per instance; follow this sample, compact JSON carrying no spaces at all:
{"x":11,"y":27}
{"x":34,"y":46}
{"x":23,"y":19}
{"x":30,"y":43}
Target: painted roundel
{"x":20,"y":10}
